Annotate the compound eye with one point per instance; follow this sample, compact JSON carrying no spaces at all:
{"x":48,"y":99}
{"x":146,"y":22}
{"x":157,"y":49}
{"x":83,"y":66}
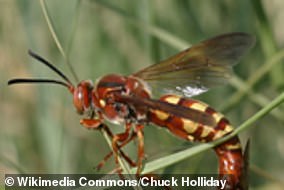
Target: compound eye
{"x":78,"y":100}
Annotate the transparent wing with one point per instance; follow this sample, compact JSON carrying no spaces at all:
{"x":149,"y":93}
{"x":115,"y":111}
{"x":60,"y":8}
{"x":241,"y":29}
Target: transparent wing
{"x":176,"y":110}
{"x":195,"y":70}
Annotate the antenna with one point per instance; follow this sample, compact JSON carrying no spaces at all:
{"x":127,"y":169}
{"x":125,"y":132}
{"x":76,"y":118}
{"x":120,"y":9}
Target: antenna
{"x":67,"y":82}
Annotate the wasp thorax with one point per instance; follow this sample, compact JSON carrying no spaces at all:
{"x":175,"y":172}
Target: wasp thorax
{"x":82,"y":96}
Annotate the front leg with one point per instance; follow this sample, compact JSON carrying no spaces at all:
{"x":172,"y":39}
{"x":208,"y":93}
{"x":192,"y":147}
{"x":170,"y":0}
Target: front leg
{"x":121,"y":137}
{"x":91,"y":123}
{"x":124,"y":138}
{"x":126,"y":158}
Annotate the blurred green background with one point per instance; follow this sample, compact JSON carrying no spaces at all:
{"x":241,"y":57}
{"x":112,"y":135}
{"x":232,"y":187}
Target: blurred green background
{"x":40,"y":130}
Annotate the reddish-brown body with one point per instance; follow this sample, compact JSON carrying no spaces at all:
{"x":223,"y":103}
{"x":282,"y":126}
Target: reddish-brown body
{"x":128,"y":101}
{"x":125,"y":100}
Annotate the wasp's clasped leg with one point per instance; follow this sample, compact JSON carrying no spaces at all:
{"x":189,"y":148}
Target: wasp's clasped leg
{"x":122,"y":137}
{"x":126,"y":158}
{"x":91,"y":123}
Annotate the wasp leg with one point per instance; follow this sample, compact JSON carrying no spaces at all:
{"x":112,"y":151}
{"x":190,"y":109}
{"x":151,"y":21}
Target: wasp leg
{"x":126,"y":158}
{"x":140,"y":136}
{"x":102,"y":163}
{"x":121,"y":137}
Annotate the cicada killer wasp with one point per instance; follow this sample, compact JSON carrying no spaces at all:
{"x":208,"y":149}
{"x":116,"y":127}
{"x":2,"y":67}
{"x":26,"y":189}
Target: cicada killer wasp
{"x":128,"y":100}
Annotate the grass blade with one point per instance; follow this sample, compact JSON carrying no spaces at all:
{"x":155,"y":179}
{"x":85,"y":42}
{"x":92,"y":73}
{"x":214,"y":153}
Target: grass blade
{"x":55,"y":38}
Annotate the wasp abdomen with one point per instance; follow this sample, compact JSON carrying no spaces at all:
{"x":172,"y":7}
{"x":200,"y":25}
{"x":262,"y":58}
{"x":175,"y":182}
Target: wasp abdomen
{"x":191,"y":129}
{"x":229,"y":153}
